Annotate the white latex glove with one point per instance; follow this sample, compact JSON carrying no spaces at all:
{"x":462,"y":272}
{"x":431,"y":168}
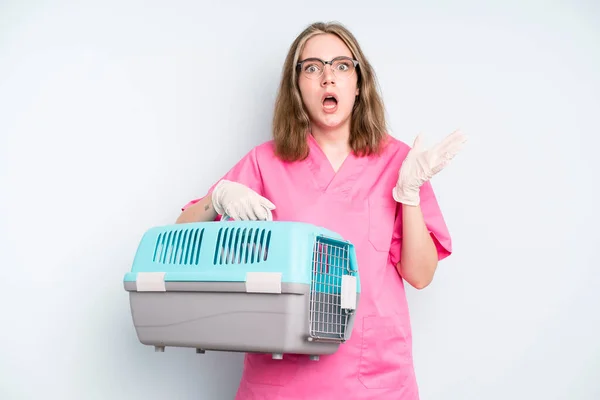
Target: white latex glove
{"x":240,"y":202}
{"x":421,"y":165}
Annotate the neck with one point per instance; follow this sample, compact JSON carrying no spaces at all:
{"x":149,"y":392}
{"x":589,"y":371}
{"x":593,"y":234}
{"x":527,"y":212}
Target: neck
{"x":333,"y":140}
{"x":334,"y":143}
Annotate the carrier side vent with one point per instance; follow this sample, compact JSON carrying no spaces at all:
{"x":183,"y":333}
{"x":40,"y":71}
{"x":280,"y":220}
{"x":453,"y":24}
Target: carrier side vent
{"x":179,"y":247}
{"x":242,"y":246}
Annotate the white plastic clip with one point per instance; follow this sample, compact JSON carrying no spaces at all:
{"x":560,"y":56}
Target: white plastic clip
{"x":263,"y":282}
{"x":150,"y":282}
{"x":348,"y":292}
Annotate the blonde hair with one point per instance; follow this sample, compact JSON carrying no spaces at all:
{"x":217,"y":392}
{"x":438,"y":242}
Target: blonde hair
{"x":290,"y":119}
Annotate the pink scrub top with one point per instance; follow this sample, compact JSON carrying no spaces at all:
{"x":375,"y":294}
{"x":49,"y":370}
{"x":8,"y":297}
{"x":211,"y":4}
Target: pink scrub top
{"x":356,"y":202}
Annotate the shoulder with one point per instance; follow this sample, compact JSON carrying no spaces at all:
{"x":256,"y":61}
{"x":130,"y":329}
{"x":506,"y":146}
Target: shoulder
{"x":265,"y":149}
{"x":261,"y":153}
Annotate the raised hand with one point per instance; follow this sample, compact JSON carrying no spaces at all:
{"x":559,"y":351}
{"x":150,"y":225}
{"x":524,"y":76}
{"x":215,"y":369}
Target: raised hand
{"x":420,"y":165}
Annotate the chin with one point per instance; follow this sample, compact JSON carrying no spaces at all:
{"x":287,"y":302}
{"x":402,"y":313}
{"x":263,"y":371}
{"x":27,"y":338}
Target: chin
{"x":331,"y":121}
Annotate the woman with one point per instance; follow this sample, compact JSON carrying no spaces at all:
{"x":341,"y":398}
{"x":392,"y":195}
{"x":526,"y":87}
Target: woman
{"x":331,"y":163}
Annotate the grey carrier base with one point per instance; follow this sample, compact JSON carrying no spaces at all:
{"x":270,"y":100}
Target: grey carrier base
{"x":211,"y":315}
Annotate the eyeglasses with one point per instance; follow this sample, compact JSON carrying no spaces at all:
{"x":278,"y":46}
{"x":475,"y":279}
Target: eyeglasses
{"x":313,"y":68}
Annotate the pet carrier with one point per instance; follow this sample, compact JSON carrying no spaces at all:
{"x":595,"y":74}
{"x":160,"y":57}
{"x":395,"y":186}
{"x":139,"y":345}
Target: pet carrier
{"x":244,"y":286}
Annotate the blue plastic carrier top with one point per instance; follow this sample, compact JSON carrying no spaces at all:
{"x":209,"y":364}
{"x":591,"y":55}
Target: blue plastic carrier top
{"x":226,"y":251}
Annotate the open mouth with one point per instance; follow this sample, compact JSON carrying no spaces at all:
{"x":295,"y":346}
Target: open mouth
{"x":330,"y":102}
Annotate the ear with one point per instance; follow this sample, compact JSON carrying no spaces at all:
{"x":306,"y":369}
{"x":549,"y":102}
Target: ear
{"x":357,"y":91}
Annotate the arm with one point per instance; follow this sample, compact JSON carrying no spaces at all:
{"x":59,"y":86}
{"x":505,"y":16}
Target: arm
{"x":419,"y":258}
{"x":202,"y":211}
{"x":421,"y":217}
{"x":239,"y":201}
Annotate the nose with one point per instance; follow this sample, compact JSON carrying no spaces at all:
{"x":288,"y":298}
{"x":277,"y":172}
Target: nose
{"x":328,"y":78}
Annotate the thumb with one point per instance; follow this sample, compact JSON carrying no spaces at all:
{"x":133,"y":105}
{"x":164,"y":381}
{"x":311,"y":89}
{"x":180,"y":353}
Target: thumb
{"x":267,"y":204}
{"x":418,"y":143}
{"x":269,"y":215}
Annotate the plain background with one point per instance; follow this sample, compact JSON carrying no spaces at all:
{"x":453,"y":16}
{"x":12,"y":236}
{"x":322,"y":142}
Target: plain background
{"x":114,"y":114}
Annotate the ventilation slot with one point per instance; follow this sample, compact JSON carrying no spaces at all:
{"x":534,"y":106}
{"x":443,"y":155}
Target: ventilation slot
{"x":242,"y":246}
{"x":180,"y":247}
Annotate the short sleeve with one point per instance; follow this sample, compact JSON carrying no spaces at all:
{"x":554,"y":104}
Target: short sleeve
{"x":246,"y":171}
{"x":434,"y":221}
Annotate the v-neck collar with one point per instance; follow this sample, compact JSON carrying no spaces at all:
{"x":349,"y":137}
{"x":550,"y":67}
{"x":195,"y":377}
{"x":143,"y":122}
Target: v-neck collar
{"x":325,"y":178}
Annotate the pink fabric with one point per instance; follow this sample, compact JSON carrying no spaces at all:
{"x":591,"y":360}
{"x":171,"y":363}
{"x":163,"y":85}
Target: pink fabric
{"x":356,"y":202}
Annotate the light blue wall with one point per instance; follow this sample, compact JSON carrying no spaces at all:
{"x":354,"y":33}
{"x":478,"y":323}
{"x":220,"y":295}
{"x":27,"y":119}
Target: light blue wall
{"x":113,"y":114}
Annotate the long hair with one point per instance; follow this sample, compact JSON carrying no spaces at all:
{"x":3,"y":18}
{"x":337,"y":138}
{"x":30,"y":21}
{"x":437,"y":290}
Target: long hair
{"x":290,"y":119}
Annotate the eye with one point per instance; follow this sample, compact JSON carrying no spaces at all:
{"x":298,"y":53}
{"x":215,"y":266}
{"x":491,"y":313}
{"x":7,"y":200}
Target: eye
{"x":343,"y":65}
{"x":311,"y":68}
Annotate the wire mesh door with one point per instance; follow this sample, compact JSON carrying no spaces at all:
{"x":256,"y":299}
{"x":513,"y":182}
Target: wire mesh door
{"x":328,"y":321}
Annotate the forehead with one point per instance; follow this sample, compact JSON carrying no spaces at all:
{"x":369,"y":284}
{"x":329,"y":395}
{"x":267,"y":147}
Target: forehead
{"x":325,"y":46}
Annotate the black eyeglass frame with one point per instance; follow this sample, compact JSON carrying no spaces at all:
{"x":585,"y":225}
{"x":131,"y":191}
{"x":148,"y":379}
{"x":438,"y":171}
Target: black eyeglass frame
{"x":330,"y":62}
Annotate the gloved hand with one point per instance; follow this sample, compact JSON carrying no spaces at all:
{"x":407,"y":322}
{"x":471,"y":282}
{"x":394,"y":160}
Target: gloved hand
{"x":420,"y":165}
{"x":240,"y":202}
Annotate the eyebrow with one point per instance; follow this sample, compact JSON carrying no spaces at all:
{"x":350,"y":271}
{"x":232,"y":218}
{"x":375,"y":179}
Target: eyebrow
{"x":321,"y":59}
